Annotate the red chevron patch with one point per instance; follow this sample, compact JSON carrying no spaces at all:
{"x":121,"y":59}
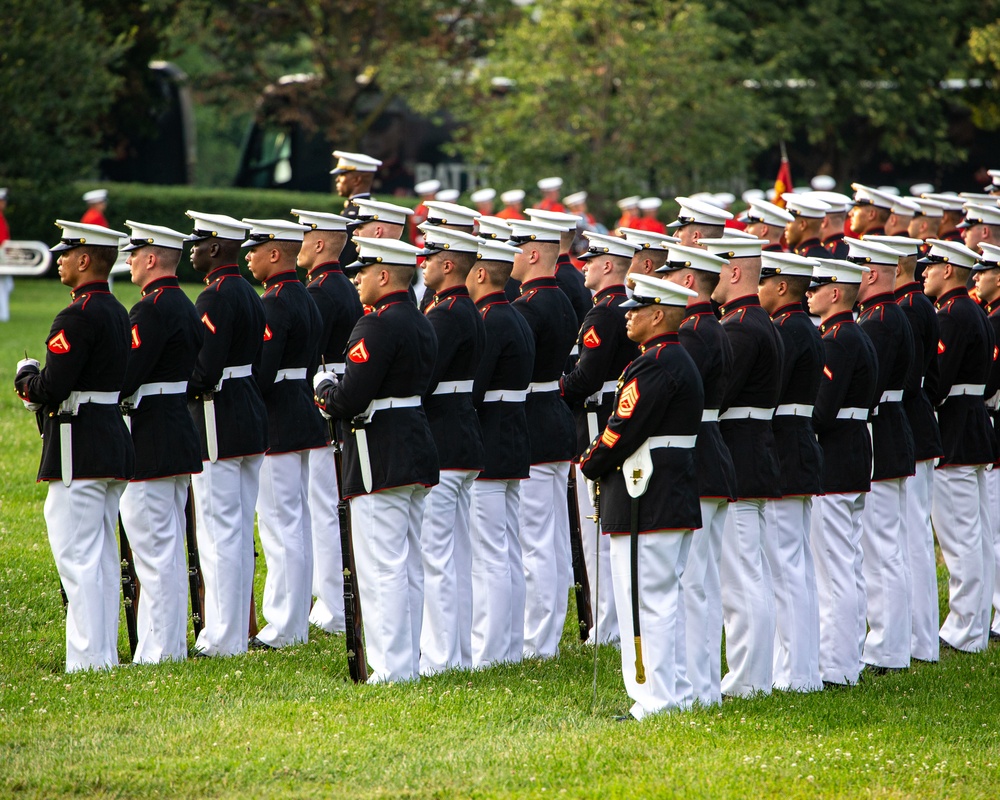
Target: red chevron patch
{"x":59,"y":344}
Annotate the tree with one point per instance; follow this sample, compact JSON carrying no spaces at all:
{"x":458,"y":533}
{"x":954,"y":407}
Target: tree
{"x":620,"y":98}
{"x":55,"y":87}
{"x":857,"y":81}
{"x":984,"y":45}
{"x":365,"y":55}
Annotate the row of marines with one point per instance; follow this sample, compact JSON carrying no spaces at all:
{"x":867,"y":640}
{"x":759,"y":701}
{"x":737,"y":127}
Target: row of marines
{"x":458,"y":431}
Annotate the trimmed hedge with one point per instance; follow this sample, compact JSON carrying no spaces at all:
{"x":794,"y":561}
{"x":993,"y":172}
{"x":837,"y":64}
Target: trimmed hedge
{"x":31,"y":212}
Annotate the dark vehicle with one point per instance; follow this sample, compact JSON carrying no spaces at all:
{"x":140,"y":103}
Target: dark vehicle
{"x":161,"y":148}
{"x":285,"y":150}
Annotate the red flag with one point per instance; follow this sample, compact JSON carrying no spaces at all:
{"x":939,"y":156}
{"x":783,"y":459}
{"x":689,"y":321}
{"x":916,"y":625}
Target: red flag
{"x":783,"y":183}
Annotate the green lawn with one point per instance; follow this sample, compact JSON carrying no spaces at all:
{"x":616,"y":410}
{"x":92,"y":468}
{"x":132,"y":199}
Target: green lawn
{"x":291,"y":724}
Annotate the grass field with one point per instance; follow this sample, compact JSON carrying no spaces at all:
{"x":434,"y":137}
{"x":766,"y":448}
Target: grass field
{"x":291,"y":724}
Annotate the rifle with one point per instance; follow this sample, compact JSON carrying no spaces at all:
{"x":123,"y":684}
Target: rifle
{"x":581,"y":582}
{"x":195,"y":582}
{"x":357,"y":664}
{"x":130,"y":588}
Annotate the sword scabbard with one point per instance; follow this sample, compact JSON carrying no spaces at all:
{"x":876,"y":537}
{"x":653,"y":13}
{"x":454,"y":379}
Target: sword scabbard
{"x":640,"y":670}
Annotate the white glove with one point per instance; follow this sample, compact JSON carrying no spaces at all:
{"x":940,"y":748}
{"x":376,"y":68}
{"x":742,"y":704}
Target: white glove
{"x":27,"y":362}
{"x":324,"y":382}
{"x":32,"y":407}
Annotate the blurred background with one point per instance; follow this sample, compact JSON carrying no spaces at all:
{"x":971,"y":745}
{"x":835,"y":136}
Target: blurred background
{"x":647,"y":97}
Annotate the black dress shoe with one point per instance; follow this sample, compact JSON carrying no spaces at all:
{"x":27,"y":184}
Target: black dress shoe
{"x":994,"y":636}
{"x":199,"y":654}
{"x":835,"y":685}
{"x":624,"y":718}
{"x":945,"y":646}
{"x":877,"y":671}
{"x":257,"y":644}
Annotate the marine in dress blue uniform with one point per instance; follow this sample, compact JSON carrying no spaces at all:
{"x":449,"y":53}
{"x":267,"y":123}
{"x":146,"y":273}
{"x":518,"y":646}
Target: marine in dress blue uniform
{"x":767,"y":221}
{"x":339,"y":306}
{"x":747,"y":409}
{"x":831,"y":229}
{"x":960,"y":510}
{"x":87,"y":452}
{"x":981,"y":232}
{"x":784,"y":278}
{"x":451,"y":216}
{"x":708,"y":345}
{"x":499,"y":392}
{"x":870,"y":210}
{"x":840,"y":419}
{"x":652,"y":252}
{"x":445,"y":536}
{"x":354,"y":175}
{"x":987,"y":278}
{"x":544,"y":518}
{"x":568,"y":277}
{"x":288,"y":361}
{"x":589,"y":388}
{"x":802,"y":233}
{"x":166,"y":339}
{"x":390,"y":459}
{"x":922,"y":318}
{"x":885,"y":562}
{"x":650,"y":437}
{"x":229,"y":413}
{"x":496,"y":229}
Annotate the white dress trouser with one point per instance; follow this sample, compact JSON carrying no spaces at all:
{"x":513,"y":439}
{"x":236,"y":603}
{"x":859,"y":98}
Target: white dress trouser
{"x":662,"y":556}
{"x":6,"y":287}
{"x":81,"y":520}
{"x":596,"y":547}
{"x":919,"y":537}
{"x":789,"y":556}
{"x":543,"y":521}
{"x":328,"y":563}
{"x":564,"y":551}
{"x":153,"y":514}
{"x":962,"y":521}
{"x":993,"y":493}
{"x":836,"y":547}
{"x":443,"y":534}
{"x":518,"y":588}
{"x":386,"y":529}
{"x":225,"y":495}
{"x":747,"y":601}
{"x":703,"y":603}
{"x":886,"y":567}
{"x":286,"y":537}
{"x":494,"y":524}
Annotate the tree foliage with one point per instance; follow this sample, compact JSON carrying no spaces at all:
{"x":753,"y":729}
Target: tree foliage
{"x":616,"y":97}
{"x":858,"y":79}
{"x":55,"y":85}
{"x":984,"y":45}
{"x":403,"y":49}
